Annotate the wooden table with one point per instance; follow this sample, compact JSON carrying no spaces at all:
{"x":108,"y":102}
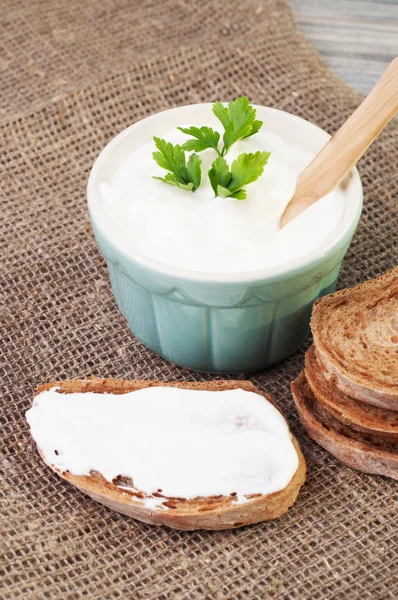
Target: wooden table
{"x":356,"y":38}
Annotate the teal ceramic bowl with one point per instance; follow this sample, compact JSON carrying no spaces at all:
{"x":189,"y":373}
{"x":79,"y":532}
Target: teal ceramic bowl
{"x":220,"y":323}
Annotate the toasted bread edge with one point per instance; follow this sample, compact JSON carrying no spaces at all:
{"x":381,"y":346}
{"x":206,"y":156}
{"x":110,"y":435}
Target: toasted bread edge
{"x":355,"y":454}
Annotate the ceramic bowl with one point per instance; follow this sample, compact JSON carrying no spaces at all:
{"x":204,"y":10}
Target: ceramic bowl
{"x":220,"y":323}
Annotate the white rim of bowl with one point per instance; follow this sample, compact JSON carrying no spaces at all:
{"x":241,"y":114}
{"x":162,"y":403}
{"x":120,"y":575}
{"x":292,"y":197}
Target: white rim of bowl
{"x":348,"y":222}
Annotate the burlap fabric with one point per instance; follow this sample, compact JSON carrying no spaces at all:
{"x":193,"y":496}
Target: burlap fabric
{"x":72,"y":75}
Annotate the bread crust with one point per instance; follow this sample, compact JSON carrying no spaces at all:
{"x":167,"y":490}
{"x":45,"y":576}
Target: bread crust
{"x":356,"y":390}
{"x":358,"y":415}
{"x":214,"y":513}
{"x":344,"y":310}
{"x":347,"y":445}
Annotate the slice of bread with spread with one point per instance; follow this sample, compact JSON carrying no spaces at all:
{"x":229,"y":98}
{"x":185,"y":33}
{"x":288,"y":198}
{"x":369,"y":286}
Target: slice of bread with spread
{"x":120,"y":494}
{"x":357,"y":450}
{"x":358,"y":415}
{"x":355,"y":333}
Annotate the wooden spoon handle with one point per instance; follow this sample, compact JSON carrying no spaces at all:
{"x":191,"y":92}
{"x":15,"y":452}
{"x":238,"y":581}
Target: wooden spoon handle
{"x":346,"y":147}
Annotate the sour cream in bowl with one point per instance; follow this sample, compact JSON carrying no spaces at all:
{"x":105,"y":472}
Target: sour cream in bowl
{"x":213,"y":283}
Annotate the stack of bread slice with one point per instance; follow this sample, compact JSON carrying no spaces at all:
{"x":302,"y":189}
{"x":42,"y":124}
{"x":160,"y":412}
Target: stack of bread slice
{"x":347,"y":395}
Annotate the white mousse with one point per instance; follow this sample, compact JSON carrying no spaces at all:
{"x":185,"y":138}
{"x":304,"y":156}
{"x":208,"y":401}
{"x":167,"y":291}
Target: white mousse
{"x":200,"y":232}
{"x":186,"y":443}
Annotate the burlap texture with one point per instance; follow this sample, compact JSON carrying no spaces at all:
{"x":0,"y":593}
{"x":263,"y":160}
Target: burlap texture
{"x":72,"y":75}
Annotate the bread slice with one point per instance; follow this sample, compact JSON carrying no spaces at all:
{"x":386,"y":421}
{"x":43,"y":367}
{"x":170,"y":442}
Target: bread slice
{"x":357,"y":450}
{"x":358,"y":415}
{"x":216,"y":512}
{"x":356,"y":338}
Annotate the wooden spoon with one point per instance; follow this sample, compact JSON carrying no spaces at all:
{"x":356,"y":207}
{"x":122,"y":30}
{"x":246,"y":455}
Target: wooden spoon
{"x":342,"y":152}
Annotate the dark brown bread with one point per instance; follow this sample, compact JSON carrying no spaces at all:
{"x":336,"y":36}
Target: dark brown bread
{"x":358,"y":415}
{"x":357,"y":450}
{"x":219,"y":512}
{"x":356,"y":338}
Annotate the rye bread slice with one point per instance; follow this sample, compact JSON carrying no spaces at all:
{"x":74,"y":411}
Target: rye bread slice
{"x":358,"y":415}
{"x":357,"y":450}
{"x":215,"y":512}
{"x":356,"y":338}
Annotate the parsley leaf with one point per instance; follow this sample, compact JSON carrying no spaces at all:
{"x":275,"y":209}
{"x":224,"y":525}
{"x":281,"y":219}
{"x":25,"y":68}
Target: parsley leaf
{"x":221,"y":113}
{"x":206,"y":137}
{"x":172,"y":158}
{"x":238,"y":120}
{"x":219,"y":174}
{"x":169,"y":157}
{"x":247,"y":168}
{"x":244,"y":170}
{"x":194,"y":170}
{"x":173,"y":180}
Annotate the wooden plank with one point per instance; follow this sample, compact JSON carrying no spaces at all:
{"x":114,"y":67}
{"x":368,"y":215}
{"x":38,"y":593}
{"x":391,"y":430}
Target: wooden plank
{"x":356,"y":38}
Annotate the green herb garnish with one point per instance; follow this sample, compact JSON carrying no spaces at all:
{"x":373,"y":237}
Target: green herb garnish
{"x":183,"y":175}
{"x":239,"y":122}
{"x":206,"y":137}
{"x":244,"y":170}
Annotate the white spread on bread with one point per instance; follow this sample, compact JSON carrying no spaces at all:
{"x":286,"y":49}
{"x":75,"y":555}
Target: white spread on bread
{"x":196,"y":231}
{"x":174,"y":442}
